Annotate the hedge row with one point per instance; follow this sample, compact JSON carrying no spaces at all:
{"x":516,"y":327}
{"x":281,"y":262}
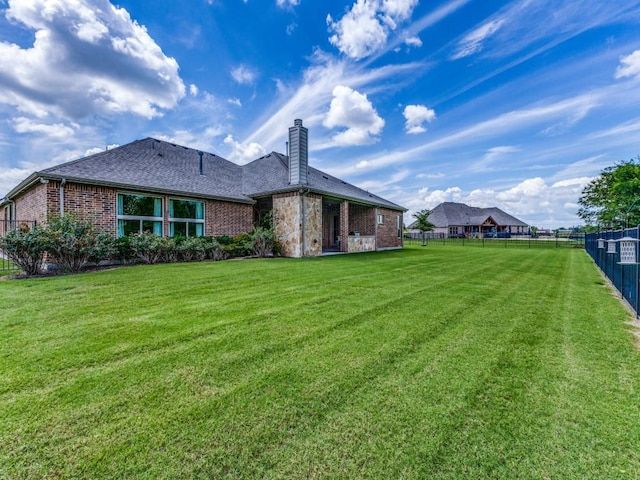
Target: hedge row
{"x":72,"y":244}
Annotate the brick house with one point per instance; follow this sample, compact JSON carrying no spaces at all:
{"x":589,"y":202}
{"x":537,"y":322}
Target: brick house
{"x":171,"y":190}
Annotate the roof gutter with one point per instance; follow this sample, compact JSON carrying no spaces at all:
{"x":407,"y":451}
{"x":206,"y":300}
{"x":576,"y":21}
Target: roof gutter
{"x":360,"y":201}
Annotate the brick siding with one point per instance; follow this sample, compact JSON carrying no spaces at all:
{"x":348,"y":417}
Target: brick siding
{"x":32,"y":205}
{"x":227,"y":218}
{"x":388,"y":230}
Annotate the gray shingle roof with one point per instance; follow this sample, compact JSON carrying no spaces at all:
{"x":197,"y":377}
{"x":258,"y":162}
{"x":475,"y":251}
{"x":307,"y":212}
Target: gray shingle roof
{"x":155,"y":165}
{"x":459,"y":214}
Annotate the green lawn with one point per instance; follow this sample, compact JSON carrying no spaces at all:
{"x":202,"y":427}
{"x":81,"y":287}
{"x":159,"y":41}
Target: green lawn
{"x":436,"y":362}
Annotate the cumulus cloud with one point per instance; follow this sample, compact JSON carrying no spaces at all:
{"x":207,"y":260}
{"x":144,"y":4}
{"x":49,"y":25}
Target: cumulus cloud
{"x":243,"y":153}
{"x":629,"y":65}
{"x":193,"y":90}
{"x":416,"y":116}
{"x":533,"y":200}
{"x":88,"y":58}
{"x":353,"y":110}
{"x":244,"y":75}
{"x":27,"y":125}
{"x":472,"y":42}
{"x":364,"y":29}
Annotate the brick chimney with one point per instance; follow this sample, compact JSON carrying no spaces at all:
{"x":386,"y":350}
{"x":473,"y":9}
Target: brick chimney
{"x":298,"y":153}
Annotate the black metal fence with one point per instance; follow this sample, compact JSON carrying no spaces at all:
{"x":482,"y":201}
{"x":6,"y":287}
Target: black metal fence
{"x":519,"y":241}
{"x":616,"y":254}
{"x":5,"y":227}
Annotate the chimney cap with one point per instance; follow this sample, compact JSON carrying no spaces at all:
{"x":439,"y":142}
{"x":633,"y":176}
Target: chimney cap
{"x":297,"y":122}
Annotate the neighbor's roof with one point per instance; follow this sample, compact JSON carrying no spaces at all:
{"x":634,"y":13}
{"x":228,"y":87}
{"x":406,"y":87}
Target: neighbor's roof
{"x":163,"y":167}
{"x":459,"y":214}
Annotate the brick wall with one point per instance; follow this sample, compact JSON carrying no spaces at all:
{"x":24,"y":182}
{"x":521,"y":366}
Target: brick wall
{"x":362,"y":219}
{"x":32,"y":205}
{"x":89,"y":202}
{"x":388,"y":230}
{"x":227,"y":218}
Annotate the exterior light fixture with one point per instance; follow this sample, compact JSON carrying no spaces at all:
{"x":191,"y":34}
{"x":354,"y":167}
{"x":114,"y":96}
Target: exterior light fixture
{"x":611,"y":246}
{"x":601,"y":243}
{"x":627,"y":250}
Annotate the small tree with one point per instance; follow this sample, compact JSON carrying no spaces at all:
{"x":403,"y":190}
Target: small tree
{"x":422,"y":222}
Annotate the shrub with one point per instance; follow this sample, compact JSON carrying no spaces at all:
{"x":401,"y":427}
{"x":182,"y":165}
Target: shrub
{"x":262,"y":241}
{"x":122,"y":250}
{"x":26,"y":248}
{"x":168,"y":249}
{"x":213,"y":248}
{"x":146,"y":247}
{"x":192,"y":249}
{"x":72,"y":243}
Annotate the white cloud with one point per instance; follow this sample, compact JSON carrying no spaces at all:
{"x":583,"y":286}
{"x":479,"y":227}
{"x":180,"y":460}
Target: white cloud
{"x":472,"y":42}
{"x":243,"y":152}
{"x":193,"y":90}
{"x":94,"y":150}
{"x":235,"y":102}
{"x":532,"y":200}
{"x":287,"y":3}
{"x":96,"y":61}
{"x":353,"y":110}
{"x":416,"y":116}
{"x":364,"y":29}
{"x":629,"y":65}
{"x":244,"y":75}
{"x":430,"y":175}
{"x":27,"y":125}
{"x":413,"y":41}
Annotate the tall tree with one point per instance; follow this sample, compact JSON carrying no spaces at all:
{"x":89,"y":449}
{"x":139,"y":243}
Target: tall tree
{"x":422,"y":222}
{"x":612,"y":199}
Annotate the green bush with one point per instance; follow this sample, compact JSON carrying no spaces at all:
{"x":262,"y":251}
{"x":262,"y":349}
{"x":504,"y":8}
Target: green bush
{"x":192,"y":249}
{"x":26,"y":248}
{"x":146,"y":247}
{"x":123,"y":251}
{"x":73,"y":243}
{"x":168,"y":247}
{"x":213,"y":248}
{"x":262,"y":241}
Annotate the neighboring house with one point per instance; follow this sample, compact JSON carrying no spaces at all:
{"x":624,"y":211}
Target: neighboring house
{"x":457,"y":219}
{"x":156,"y":186}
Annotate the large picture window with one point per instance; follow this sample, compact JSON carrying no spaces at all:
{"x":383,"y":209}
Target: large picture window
{"x":186,"y":218}
{"x":138,"y":214}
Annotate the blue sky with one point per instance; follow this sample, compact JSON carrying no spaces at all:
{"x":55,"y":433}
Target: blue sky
{"x":515,"y":104}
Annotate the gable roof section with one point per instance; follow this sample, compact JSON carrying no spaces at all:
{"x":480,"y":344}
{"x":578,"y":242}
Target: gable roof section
{"x":270,"y":174}
{"x":162,"y":167}
{"x":460,"y":214}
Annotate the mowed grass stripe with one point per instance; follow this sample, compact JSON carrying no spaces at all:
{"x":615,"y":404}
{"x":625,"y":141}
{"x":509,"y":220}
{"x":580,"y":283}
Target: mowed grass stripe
{"x":435,"y":362}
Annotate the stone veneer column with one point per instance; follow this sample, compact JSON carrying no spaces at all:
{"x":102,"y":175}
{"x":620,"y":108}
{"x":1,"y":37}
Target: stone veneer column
{"x":344,"y":226}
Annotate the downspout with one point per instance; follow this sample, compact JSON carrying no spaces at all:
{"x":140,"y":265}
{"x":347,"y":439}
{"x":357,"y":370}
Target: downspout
{"x":63,"y":182}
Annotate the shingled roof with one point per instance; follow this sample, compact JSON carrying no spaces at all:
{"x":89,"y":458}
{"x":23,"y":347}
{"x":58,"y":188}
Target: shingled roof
{"x":459,"y":214}
{"x":162,"y":167}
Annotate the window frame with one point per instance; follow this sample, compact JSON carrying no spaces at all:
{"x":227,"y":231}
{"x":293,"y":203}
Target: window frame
{"x":188,"y":221}
{"x":380,"y":219}
{"x":139,"y":218}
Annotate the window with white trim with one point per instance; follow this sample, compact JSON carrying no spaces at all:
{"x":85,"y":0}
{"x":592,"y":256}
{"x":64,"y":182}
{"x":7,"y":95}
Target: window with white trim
{"x":380,"y":219}
{"x":186,"y":218}
{"x":138,"y":214}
